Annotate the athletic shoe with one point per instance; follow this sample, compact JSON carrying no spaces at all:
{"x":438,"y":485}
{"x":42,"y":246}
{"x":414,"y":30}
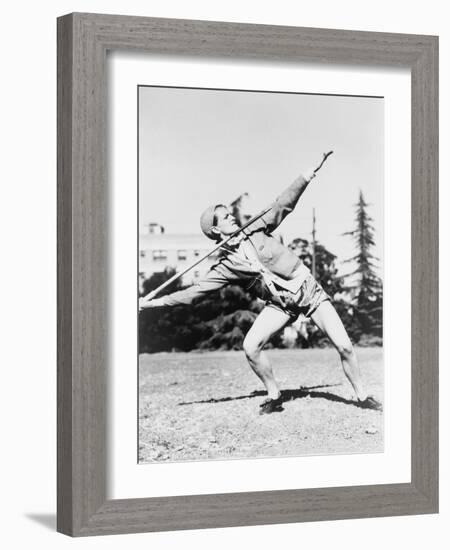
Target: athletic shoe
{"x":370,"y":403}
{"x":269,"y":406}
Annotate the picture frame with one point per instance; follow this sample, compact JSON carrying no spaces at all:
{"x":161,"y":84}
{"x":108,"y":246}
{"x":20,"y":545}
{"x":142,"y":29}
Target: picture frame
{"x":83,"y":41}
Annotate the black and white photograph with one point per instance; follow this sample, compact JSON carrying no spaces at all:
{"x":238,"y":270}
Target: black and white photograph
{"x":260,"y":274}
{"x":221,"y":263}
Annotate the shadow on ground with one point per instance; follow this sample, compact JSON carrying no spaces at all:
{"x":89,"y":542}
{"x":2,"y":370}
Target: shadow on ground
{"x":286,"y":395}
{"x":47,"y":520}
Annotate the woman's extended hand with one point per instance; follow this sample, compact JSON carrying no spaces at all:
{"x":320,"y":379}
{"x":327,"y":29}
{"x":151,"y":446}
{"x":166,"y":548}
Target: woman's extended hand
{"x":145,"y":302}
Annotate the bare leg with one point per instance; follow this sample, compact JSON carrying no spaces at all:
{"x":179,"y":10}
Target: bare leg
{"x":268,"y":322}
{"x":327,"y":319}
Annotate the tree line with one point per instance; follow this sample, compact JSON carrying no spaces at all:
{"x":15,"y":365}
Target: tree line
{"x":221,"y":319}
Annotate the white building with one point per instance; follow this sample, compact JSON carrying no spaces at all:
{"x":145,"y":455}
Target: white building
{"x":159,"y":250}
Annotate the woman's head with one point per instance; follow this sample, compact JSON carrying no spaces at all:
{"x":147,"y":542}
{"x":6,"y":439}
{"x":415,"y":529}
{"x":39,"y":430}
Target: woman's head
{"x":217,"y":222}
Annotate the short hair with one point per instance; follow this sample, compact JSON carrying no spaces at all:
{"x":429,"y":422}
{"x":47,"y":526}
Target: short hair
{"x":208,"y":220}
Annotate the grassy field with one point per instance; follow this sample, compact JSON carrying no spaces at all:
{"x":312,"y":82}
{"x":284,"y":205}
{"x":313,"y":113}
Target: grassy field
{"x":197,"y":406}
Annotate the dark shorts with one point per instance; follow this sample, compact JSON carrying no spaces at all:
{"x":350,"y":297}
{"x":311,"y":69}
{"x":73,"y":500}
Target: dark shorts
{"x":305,"y":301}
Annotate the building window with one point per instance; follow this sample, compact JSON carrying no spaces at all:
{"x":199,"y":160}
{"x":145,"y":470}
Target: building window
{"x":160,"y":254}
{"x":155,"y":229}
{"x":142,"y":253}
{"x":182,"y":255}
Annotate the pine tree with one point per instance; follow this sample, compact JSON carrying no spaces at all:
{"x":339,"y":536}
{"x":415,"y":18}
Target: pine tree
{"x":366,"y":286}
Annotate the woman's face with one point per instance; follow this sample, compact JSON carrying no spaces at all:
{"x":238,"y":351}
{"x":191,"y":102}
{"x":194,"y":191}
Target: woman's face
{"x":226,"y":222}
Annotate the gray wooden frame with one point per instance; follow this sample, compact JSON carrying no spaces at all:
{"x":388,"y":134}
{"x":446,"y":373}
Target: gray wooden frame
{"x":83,"y":40}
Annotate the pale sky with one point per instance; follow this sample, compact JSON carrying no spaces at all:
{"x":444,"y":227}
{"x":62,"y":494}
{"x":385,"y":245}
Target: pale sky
{"x":199,"y":147}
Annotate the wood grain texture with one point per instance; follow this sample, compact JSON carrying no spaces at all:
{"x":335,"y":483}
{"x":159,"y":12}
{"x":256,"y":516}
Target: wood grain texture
{"x":83,"y":199}
{"x":64,"y":276}
{"x":425,"y":272}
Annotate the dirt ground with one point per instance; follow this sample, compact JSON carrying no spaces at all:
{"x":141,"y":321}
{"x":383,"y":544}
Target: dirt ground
{"x":198,"y":406}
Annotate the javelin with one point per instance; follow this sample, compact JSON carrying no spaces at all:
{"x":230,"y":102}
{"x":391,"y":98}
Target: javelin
{"x":153,"y":293}
{"x":325,"y":156}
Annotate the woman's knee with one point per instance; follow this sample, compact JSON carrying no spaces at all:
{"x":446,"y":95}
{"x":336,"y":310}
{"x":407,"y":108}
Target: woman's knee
{"x":252,"y":348}
{"x":345,"y":349}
